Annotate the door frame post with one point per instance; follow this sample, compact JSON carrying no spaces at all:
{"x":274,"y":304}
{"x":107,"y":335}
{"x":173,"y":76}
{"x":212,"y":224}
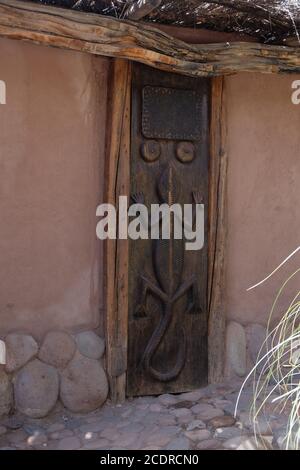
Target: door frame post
{"x":117,"y":176}
{"x":217,"y":232}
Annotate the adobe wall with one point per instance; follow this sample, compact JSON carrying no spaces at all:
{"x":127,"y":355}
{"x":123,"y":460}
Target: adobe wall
{"x":51,"y":167}
{"x":263,"y":191}
{"x":51,"y":264}
{"x":263,"y":209}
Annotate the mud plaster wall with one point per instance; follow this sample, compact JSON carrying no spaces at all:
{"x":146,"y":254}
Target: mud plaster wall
{"x":51,"y":179}
{"x":263,"y":192}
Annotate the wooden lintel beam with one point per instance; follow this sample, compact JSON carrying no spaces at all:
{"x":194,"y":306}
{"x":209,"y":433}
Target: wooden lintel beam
{"x":102,"y":35}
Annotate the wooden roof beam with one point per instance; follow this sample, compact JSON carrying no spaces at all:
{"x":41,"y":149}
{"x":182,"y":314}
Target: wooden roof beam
{"x":106,"y":36}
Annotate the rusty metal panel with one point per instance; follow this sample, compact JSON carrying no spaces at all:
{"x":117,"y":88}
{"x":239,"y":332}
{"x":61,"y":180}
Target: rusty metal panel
{"x":170,"y":113}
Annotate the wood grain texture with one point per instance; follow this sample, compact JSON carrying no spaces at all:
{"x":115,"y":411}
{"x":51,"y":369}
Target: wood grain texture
{"x":167,"y":350}
{"x":116,"y":253}
{"x":217,"y":233}
{"x":107,"y":36}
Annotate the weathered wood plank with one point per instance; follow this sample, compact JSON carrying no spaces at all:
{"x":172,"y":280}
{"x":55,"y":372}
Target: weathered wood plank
{"x":107,"y":36}
{"x":116,"y":253}
{"x":217,"y":233}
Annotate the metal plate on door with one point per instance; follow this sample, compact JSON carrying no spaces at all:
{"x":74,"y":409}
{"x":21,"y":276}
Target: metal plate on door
{"x":163,"y":112}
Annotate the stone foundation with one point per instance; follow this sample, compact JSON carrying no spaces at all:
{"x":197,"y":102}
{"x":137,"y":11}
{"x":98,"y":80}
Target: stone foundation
{"x":243,"y":344}
{"x":63,"y":367}
{"x":69,"y":368}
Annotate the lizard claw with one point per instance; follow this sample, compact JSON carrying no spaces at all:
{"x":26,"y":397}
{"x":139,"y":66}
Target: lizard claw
{"x":194,"y":309}
{"x":138,"y":198}
{"x":140,"y":311}
{"x":198,"y":198}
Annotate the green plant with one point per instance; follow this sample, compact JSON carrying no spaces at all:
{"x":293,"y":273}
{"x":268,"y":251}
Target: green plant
{"x":276,"y":374}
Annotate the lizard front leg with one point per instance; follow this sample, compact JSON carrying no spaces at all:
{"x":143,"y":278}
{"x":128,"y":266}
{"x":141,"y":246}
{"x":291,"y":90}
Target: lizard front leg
{"x":190,"y":288}
{"x":148,"y":287}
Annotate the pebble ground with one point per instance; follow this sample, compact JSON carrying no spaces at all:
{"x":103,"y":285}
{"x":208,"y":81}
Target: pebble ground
{"x":203,"y":420}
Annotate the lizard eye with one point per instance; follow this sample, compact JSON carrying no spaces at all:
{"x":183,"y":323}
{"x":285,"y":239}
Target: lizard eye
{"x":185,"y":152}
{"x":150,"y":151}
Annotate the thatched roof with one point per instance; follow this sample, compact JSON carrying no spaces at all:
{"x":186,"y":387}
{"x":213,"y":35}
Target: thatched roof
{"x":269,"y":21}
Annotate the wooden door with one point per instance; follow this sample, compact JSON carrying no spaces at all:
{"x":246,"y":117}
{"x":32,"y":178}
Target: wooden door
{"x":167,"y":336}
